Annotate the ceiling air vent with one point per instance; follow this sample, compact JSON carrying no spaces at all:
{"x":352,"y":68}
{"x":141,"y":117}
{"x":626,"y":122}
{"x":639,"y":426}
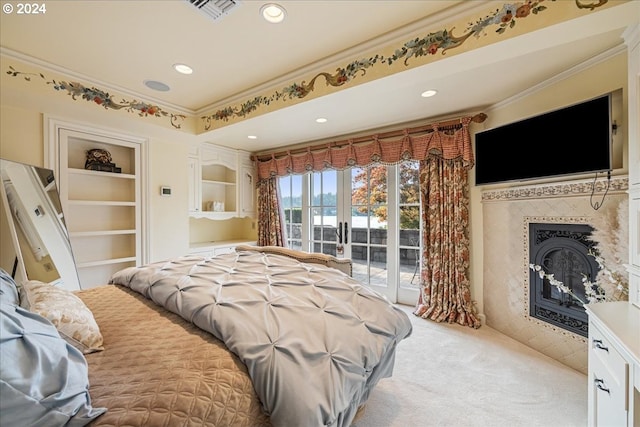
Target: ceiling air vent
{"x":215,"y":9}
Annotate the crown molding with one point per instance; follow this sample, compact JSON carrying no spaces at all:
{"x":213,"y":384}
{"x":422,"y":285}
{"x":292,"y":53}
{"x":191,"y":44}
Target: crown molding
{"x":602,"y":57}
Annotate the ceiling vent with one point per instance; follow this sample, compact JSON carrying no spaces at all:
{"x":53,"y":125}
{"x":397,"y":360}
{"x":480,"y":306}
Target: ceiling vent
{"x":215,"y":9}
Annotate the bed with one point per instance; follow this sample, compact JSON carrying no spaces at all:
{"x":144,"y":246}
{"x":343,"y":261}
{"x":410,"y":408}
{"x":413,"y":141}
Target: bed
{"x":263,"y":336}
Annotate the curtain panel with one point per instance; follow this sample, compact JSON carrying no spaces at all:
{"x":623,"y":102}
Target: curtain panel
{"x":444,"y":292}
{"x":446,"y":140}
{"x":270,"y":216}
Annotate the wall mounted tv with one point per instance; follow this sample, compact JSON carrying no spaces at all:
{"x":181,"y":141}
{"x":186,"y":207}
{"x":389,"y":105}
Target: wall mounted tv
{"x":573,"y":140}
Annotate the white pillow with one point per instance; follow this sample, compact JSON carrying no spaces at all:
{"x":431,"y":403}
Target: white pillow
{"x":67,"y":312}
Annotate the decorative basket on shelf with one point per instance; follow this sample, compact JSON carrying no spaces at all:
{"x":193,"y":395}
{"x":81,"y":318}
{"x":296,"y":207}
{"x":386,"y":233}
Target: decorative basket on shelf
{"x":99,"y":159}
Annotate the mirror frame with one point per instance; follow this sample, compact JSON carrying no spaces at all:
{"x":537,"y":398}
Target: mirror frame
{"x":36,"y":220}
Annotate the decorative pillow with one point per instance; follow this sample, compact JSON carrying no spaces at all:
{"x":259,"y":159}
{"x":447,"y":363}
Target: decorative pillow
{"x":66,"y":311}
{"x":43,"y":380}
{"x":8,"y":289}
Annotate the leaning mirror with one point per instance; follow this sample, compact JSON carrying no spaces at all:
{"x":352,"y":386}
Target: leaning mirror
{"x":32,"y":216}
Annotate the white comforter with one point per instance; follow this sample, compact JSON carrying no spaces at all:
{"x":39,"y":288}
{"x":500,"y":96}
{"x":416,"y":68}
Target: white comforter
{"x":315,"y":341}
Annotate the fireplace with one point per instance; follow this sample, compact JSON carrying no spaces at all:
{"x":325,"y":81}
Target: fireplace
{"x":561,"y":250}
{"x":506,"y":217}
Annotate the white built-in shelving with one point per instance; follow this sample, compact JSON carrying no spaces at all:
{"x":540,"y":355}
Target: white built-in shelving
{"x":103,"y":209}
{"x":221,"y":183}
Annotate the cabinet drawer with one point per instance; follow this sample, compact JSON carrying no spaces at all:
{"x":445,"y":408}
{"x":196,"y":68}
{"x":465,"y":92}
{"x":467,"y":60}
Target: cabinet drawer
{"x":634,"y":289}
{"x":610,"y":396}
{"x":603,"y":351}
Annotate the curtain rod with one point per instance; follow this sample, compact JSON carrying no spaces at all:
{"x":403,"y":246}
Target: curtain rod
{"x":478,"y":118}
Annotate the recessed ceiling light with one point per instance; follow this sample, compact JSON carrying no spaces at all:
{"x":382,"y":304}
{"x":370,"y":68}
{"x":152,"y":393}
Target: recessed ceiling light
{"x":252,"y":137}
{"x":183,"y":68}
{"x":273,"y":13}
{"x":428,"y":93}
{"x":321,"y":120}
{"x":156,"y":85}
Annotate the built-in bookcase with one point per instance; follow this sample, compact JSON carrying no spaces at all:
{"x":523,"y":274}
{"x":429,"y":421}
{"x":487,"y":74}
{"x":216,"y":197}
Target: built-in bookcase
{"x":103,"y":209}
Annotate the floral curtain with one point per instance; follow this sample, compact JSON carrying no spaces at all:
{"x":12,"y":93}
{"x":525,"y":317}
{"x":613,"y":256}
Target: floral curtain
{"x":448,"y":140}
{"x":270,"y":217}
{"x":446,"y":156}
{"x":445,"y":293}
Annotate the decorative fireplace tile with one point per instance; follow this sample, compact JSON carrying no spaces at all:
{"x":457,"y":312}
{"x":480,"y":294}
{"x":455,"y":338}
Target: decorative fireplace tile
{"x":506,"y":214}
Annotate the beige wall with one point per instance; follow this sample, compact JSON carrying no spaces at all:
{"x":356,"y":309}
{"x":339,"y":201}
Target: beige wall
{"x":23,"y":123}
{"x":22,"y":139}
{"x":22,"y":136}
{"x":603,"y":75}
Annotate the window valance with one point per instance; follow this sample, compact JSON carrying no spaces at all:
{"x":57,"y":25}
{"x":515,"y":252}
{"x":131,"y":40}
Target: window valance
{"x":447,"y":140}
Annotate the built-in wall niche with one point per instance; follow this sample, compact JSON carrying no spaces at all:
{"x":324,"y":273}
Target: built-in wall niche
{"x":221,"y":183}
{"x":218,"y":188}
{"x":103,"y":206}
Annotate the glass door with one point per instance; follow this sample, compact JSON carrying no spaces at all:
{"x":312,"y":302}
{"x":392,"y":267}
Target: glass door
{"x":408,"y":254}
{"x":368,"y":214}
{"x":324,"y":215}
{"x":366,"y":226}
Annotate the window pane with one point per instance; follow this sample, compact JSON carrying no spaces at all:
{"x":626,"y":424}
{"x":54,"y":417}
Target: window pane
{"x":296,"y":191}
{"x":359,"y":231}
{"x":378,"y":185}
{"x":359,"y":190}
{"x":378,"y":266}
{"x":409,"y":182}
{"x":409,"y":218}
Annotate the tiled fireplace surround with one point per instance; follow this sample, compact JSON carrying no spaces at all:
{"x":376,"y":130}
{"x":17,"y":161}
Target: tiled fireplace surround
{"x":506,"y":217}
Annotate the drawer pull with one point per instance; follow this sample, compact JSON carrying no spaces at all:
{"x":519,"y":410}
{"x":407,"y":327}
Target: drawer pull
{"x":598,"y":344}
{"x":600,"y":385}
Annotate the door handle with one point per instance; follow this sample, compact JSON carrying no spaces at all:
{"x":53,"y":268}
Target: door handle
{"x":346,"y":232}
{"x":339,"y":232}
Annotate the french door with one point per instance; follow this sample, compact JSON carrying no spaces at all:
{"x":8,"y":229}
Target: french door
{"x":370,"y":215}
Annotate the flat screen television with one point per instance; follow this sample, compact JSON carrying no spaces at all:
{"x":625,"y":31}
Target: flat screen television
{"x":573,"y":140}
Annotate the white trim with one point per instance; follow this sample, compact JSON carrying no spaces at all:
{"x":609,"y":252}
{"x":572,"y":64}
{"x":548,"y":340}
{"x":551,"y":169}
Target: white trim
{"x":605,"y":56}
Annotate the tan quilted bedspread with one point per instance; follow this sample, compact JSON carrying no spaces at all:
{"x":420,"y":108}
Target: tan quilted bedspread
{"x":160,"y":370}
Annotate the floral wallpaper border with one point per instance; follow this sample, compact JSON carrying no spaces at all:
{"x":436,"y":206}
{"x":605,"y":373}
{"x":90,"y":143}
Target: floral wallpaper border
{"x":617,"y":184}
{"x":504,"y":18}
{"x":102,"y":98}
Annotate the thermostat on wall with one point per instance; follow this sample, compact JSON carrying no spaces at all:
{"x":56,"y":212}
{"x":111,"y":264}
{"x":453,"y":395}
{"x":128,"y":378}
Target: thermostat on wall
{"x":165,"y":191}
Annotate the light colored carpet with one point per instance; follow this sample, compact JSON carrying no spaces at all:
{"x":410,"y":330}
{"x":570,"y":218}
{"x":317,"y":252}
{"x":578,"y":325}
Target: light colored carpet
{"x":451,"y":375}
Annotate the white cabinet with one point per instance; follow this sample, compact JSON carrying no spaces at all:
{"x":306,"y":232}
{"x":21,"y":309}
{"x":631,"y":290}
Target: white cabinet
{"x":102,"y":208}
{"x":614,"y":327}
{"x":247,"y":179}
{"x":221,"y":183}
{"x":218,"y":248}
{"x":195,"y":196}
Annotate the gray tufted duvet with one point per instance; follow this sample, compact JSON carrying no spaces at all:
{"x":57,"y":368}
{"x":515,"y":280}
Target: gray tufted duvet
{"x":314,"y":340}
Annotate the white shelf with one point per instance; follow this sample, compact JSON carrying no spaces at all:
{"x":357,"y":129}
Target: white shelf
{"x":101,"y":174}
{"x":205,"y":181}
{"x":106,"y":262}
{"x":101,"y":233}
{"x":100,"y":203}
{"x":214,"y":215}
